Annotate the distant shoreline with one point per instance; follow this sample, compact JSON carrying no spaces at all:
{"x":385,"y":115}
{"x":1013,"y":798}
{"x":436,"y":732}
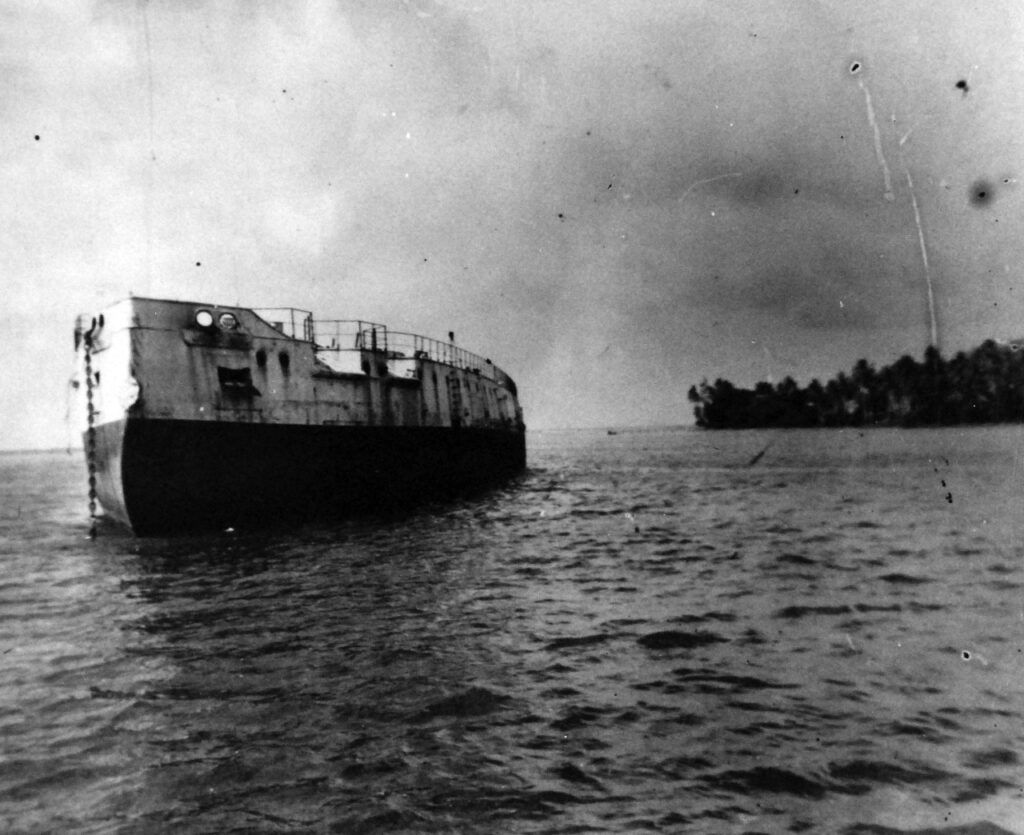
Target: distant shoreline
{"x":983,"y":387}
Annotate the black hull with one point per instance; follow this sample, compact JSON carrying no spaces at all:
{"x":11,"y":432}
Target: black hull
{"x":170,"y":476}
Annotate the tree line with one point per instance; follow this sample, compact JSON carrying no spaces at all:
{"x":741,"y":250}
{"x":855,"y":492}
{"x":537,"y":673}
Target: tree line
{"x":985,"y":385}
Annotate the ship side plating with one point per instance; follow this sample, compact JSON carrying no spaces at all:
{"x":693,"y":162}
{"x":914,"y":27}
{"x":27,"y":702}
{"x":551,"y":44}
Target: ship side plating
{"x":209,"y":416}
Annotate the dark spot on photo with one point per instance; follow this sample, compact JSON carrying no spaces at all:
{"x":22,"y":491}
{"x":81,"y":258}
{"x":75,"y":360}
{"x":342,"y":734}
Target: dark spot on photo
{"x":982,"y":193}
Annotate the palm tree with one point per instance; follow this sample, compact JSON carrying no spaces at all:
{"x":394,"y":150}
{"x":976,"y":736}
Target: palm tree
{"x":985,"y":385}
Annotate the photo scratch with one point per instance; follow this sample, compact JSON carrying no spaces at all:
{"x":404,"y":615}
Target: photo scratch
{"x":692,"y":186}
{"x":932,"y":319}
{"x":873,"y":122}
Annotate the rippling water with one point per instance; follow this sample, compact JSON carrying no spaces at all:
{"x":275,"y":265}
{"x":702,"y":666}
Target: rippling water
{"x":648,"y":631}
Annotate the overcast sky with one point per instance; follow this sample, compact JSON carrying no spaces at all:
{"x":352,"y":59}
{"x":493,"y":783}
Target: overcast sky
{"x":612,"y":199}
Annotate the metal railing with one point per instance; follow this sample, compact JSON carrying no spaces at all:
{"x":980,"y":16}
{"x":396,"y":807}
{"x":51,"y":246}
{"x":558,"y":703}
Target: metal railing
{"x":357,"y":335}
{"x":353,"y":335}
{"x":293,"y":322}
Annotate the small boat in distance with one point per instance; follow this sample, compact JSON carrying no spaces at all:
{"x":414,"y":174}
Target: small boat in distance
{"x":204,"y":416}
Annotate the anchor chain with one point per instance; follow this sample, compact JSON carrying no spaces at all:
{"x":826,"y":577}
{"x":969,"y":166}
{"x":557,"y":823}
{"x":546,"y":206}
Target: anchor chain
{"x":90,"y":434}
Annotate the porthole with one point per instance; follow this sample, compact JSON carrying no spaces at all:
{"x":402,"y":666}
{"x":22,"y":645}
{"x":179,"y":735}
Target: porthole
{"x":204,"y":318}
{"x":227,"y":321}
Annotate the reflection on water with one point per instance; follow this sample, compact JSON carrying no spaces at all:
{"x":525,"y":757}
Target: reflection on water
{"x":647,"y":631}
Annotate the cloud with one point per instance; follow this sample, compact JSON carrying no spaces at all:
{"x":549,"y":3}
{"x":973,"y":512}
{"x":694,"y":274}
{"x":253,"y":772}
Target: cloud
{"x":547,"y":180}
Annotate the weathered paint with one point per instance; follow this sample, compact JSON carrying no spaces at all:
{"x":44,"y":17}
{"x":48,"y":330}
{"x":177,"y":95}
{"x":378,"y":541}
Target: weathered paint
{"x":175,"y":364}
{"x":434,"y":415}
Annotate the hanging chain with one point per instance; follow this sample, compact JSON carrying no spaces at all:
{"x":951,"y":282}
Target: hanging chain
{"x":90,"y":435}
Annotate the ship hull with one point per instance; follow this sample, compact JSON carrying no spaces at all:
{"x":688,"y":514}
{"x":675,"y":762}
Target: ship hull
{"x":168,"y":476}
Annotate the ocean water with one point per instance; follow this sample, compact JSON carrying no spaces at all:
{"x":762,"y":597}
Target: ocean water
{"x":666,"y":631}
